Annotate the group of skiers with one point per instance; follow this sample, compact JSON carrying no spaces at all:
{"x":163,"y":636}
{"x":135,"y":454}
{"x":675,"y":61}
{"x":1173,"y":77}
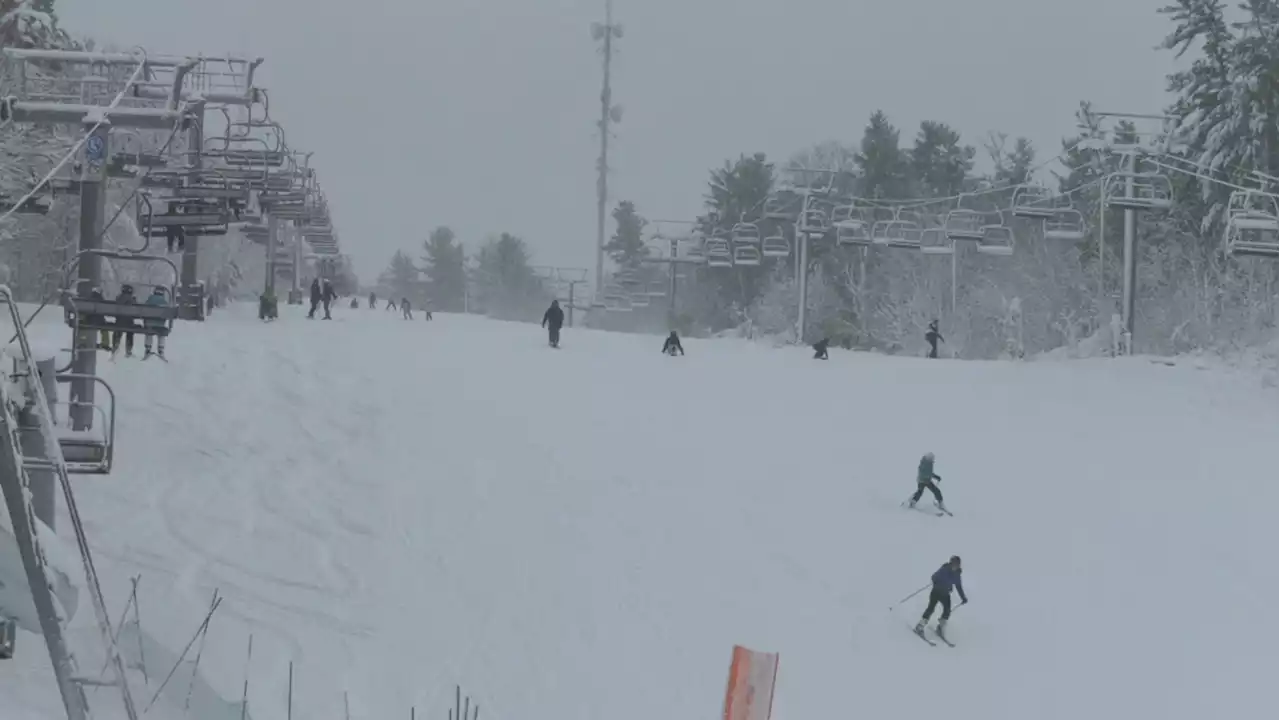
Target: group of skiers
{"x":931,"y":336}
{"x":406,"y":309}
{"x":126,"y":327}
{"x":947,"y":576}
{"x":553,"y":321}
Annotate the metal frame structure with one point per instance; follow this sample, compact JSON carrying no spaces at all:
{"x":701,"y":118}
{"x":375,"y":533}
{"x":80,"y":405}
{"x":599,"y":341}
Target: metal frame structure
{"x":117,"y":102}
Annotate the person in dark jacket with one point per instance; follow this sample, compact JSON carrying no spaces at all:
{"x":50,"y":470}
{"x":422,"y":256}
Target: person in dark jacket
{"x":316,"y":295}
{"x":933,"y":337}
{"x":373,"y":301}
{"x":553,"y":320}
{"x":672,"y":345}
{"x":406,"y":310}
{"x":126,"y":297}
{"x":947,"y":577}
{"x":327,"y":296}
{"x":820,"y":349}
{"x":925,"y":477}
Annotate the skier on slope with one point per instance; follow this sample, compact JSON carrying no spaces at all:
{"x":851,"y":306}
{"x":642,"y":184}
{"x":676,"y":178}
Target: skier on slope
{"x":553,"y":320}
{"x":925,"y":477}
{"x":672,"y":345}
{"x":944,"y":579}
{"x":933,"y":337}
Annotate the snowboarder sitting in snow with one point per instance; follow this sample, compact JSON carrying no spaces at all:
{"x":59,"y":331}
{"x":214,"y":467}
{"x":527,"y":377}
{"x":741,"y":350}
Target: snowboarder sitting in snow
{"x":355,"y":303}
{"x":553,"y":320}
{"x":820,"y":349}
{"x":924,"y":481}
{"x":933,"y":337}
{"x":944,"y":579}
{"x":672,"y":345}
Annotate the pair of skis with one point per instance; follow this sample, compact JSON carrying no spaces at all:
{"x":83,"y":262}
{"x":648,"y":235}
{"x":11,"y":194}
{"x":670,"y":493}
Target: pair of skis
{"x":940,"y":511}
{"x":920,"y":634}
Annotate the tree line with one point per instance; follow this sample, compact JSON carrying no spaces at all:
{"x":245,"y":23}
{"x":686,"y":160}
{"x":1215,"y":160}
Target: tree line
{"x":1046,"y":295}
{"x":497,"y":280}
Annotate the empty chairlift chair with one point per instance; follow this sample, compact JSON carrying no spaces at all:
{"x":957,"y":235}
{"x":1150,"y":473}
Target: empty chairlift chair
{"x":748,"y":255}
{"x":997,"y":240}
{"x":1032,"y":201}
{"x":1151,"y":191}
{"x":718,"y":253}
{"x":815,"y":216}
{"x":851,"y":227}
{"x":1252,"y":228}
{"x":933,"y":241}
{"x":1065,"y":224}
{"x":964,"y":224}
{"x":775,"y":245}
{"x":87,"y":452}
{"x":897,"y":234}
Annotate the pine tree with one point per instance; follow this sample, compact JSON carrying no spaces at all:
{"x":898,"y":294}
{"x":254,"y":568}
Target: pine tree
{"x":627,"y":247}
{"x":506,"y":286}
{"x":882,"y":163}
{"x":400,"y":279}
{"x":444,"y":264}
{"x":939,"y":163}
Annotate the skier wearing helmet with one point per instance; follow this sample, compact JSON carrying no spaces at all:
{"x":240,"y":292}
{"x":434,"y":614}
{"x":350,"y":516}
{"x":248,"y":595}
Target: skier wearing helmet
{"x":925,"y":477}
{"x":944,"y":579}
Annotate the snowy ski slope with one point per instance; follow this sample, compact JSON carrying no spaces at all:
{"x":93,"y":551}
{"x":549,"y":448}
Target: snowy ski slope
{"x":585,"y":533}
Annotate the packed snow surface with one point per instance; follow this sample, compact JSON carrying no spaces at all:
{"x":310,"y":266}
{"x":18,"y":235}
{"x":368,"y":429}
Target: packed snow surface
{"x":400,"y":506}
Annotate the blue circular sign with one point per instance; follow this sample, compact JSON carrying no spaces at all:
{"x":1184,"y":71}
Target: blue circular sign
{"x":95,"y":148}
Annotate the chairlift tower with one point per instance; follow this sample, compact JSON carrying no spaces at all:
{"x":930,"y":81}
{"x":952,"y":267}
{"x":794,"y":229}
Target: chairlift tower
{"x":1133,"y":192}
{"x":604,"y":33}
{"x":672,"y":261}
{"x":812,"y":222}
{"x":565,"y":277}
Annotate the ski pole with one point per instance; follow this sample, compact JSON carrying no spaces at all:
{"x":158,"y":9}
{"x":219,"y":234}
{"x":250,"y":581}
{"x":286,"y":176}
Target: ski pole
{"x":917,"y":592}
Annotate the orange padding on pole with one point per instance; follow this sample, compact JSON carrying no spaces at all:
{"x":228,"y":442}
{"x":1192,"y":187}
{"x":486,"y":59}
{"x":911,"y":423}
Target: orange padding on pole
{"x":751,"y":679}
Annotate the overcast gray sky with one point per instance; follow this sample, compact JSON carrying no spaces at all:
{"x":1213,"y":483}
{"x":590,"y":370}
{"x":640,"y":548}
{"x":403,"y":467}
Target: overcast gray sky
{"x":479,"y":114}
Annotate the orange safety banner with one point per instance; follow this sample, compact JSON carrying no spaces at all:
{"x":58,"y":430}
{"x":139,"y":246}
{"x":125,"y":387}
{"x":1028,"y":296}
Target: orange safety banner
{"x":751,"y":678}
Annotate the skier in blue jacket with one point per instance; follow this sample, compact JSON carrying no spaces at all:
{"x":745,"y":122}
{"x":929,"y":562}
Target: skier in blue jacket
{"x":925,"y":477}
{"x":944,"y":579}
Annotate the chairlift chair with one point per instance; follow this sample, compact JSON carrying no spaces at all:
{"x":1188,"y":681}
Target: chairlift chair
{"x":1032,"y":201}
{"x":1065,"y":224}
{"x":745,"y":232}
{"x":8,"y":637}
{"x":748,"y":255}
{"x":853,"y":232}
{"x":640,"y":299}
{"x":89,"y":452}
{"x":964,"y":224}
{"x":1252,"y":228}
{"x":1151,"y":191}
{"x":897,"y":234}
{"x":815,"y":216}
{"x":657,"y":289}
{"x":997,"y":240}
{"x":934,"y":241}
{"x":844,"y":213}
{"x":718,"y":253}
{"x":775,"y":245}
{"x":82,"y":312}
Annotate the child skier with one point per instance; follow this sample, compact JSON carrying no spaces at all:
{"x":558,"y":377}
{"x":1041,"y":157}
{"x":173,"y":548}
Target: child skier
{"x":944,"y":579}
{"x":924,"y":481}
